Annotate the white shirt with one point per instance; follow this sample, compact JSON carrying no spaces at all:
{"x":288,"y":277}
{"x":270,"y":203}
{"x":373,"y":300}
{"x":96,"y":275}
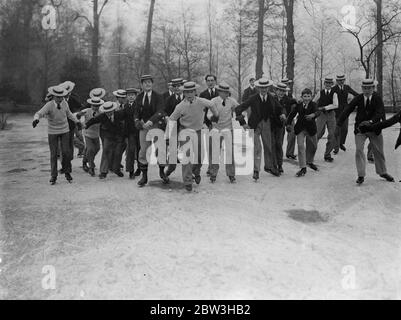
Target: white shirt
{"x":264,"y":98}
{"x":330,"y":106}
{"x":212,"y":92}
{"x":149,"y":97}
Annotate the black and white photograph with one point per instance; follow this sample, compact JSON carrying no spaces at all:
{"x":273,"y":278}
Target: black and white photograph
{"x":200,"y":150}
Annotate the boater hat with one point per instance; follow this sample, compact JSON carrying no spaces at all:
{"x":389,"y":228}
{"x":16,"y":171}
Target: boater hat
{"x":58,"y":91}
{"x":328,"y":80}
{"x":95,"y":101}
{"x":97,"y":93}
{"x":120,"y":93}
{"x":177,"y":82}
{"x":224,"y":87}
{"x":189,"y":86}
{"x":108,"y":107}
{"x":146,"y":77}
{"x":264,"y":83}
{"x":340,"y":78}
{"x":132,"y":90}
{"x":368,"y":83}
{"x":286,"y":81}
{"x":282,"y":86}
{"x":68,"y":85}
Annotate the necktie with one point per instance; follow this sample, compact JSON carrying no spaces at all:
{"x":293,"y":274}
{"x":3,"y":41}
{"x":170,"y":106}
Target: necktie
{"x":178,"y":98}
{"x":367,"y":103}
{"x":58,"y":106}
{"x":94,"y":114}
{"x":224,"y":103}
{"x":146,"y":104}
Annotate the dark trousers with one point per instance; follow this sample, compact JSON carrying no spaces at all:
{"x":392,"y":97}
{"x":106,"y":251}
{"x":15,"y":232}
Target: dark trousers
{"x":71,"y":135}
{"x":65,"y":152}
{"x":109,"y":144}
{"x":132,"y":152}
{"x":79,"y":142}
{"x":119,"y":150}
{"x":91,"y":150}
{"x":342,"y":136}
{"x":278,"y":141}
{"x":291,"y":141}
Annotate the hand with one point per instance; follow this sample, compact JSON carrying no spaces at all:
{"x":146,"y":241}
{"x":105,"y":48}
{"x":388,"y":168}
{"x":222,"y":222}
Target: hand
{"x":246,"y":127}
{"x":365,"y":124}
{"x":148,"y":125}
{"x":310,"y":117}
{"x":283,"y":118}
{"x":139,"y":124}
{"x":35,"y":123}
{"x":78,"y":116}
{"x":289,"y":128}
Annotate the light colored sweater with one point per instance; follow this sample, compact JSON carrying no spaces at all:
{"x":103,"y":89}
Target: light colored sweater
{"x":56,"y":119}
{"x":225,"y":112}
{"x":93,"y":131}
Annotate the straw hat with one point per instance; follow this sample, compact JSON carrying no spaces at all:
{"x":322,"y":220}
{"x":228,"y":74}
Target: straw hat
{"x":224,"y":87}
{"x":108,"y":106}
{"x":68,"y":85}
{"x":97,"y":93}
{"x":58,"y":91}
{"x":189,"y":86}
{"x":264,"y":83}
{"x":369,"y":83}
{"x":95,"y":101}
{"x":120,"y":93}
{"x":282,"y":86}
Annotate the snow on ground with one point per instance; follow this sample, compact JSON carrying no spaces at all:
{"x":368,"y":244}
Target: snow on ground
{"x":110,"y":239}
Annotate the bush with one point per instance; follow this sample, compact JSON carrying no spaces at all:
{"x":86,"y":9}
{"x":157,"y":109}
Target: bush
{"x":9,"y":91}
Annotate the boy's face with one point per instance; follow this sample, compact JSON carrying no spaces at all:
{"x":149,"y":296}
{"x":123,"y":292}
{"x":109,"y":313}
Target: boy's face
{"x":223,"y":94}
{"x":176,"y":89}
{"x":367,"y":91}
{"x":263,"y":90}
{"x":252,"y":82}
{"x":328,"y":85}
{"x":306,"y":98}
{"x":58,"y":99}
{"x":190,"y":94}
{"x":147,"y":85}
{"x":131,"y":97}
{"x":280,"y":93}
{"x":340,"y":82}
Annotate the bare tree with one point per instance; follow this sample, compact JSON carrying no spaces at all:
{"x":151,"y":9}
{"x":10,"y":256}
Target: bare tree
{"x":289,"y":28}
{"x":146,"y":66}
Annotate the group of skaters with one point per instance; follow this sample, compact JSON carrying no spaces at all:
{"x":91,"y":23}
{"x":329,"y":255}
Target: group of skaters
{"x":267,"y":108}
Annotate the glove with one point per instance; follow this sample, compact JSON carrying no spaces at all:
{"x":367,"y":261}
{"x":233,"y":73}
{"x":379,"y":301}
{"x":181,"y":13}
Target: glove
{"x":398,"y":143}
{"x":289,"y":128}
{"x":139,"y":124}
{"x":35,"y":123}
{"x":214,"y":119}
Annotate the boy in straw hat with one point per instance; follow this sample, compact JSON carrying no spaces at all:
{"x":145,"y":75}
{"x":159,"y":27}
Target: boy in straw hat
{"x":327,"y":102}
{"x":343,"y":91}
{"x":131,"y":133}
{"x":57,"y":112}
{"x":110,"y":131}
{"x":91,"y":135}
{"x":191,"y":114}
{"x":121,"y":96}
{"x":222,"y":129}
{"x":149,"y":111}
{"x":266,"y":112}
{"x":370,"y":110}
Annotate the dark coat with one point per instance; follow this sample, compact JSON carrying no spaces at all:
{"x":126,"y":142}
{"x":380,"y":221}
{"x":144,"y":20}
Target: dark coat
{"x":248,"y":92}
{"x":170,"y":105}
{"x":75,"y":105}
{"x":108,"y":128}
{"x":375,"y":113}
{"x":155,"y":113}
{"x":386,"y":124}
{"x":166,"y":95}
{"x":254,"y":103}
{"x":288,"y":104}
{"x":128,"y":114}
{"x":302,"y":124}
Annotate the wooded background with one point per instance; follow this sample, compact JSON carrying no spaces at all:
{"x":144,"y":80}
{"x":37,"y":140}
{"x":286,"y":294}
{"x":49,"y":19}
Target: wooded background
{"x":110,"y":43}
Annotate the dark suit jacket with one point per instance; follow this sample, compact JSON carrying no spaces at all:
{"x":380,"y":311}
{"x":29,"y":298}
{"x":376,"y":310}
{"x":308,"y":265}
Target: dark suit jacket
{"x":75,"y":105}
{"x":375,"y":112}
{"x":288,"y":104}
{"x":128,"y":114}
{"x":387,"y":123}
{"x":166,"y":95}
{"x":302,"y":124}
{"x":254,"y":102}
{"x":108,"y":129}
{"x":156,"y":111}
{"x":248,"y":92}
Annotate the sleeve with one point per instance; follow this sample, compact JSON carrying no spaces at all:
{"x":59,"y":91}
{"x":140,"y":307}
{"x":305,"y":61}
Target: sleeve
{"x":347,"y":111}
{"x":176,"y":113}
{"x":388,"y":123}
{"x":95,"y":120}
{"x":291,"y":116}
{"x":211,"y":106}
{"x":245,"y":96}
{"x":316,"y":110}
{"x":70,"y":115}
{"x":352,"y":91}
{"x":42,"y":112}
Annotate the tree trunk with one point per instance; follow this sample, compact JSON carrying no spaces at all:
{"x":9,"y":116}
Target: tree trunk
{"x":260,"y":33}
{"x":146,"y":67}
{"x":209,"y":14}
{"x":289,"y":8}
{"x":379,"y":50}
{"x":95,"y":38}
